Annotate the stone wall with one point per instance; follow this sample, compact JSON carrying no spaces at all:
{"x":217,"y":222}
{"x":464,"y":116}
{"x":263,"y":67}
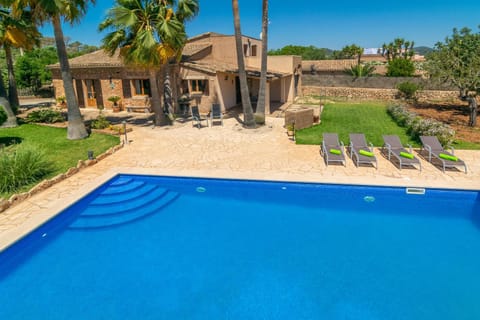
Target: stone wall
{"x":375,"y":93}
{"x":343,"y":80}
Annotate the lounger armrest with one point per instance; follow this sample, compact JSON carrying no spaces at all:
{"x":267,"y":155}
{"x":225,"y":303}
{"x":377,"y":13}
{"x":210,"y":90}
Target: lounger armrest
{"x":452,"y":149}
{"x":371,"y":146}
{"x":410,"y":149}
{"x":342,"y":146}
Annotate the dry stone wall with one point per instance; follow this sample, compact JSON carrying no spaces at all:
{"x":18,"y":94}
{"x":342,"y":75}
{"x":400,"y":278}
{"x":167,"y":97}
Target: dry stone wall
{"x":375,"y":94}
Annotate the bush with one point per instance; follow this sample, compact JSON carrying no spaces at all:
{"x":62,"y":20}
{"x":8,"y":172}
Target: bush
{"x":417,"y":126}
{"x":361,"y":70}
{"x":3,"y":115}
{"x":47,"y":115}
{"x":22,"y":167}
{"x":408,"y":89}
{"x":400,"y":68}
{"x":100,"y":122}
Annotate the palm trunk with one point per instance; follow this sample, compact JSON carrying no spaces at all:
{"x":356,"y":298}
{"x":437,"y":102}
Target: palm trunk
{"x":167,"y":95}
{"x":11,"y":118}
{"x":248,"y":118}
{"x":160,"y":119}
{"x":12,"y":84}
{"x":260,"y":112}
{"x":76,"y":127}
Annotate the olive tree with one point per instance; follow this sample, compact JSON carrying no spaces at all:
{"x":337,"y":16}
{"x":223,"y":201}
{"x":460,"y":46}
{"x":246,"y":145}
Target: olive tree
{"x":457,"y":61}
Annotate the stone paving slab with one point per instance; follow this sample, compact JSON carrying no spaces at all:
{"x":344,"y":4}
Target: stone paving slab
{"x":228,"y":151}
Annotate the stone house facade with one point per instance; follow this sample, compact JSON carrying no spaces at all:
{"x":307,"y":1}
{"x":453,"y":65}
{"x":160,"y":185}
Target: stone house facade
{"x":207,"y":73}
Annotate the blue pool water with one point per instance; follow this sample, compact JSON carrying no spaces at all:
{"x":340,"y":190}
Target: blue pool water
{"x":142,"y":247}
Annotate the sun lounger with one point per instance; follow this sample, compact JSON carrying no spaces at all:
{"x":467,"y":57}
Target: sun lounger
{"x":360,"y":151}
{"x":332,"y":150}
{"x":392,"y":146}
{"x":434,"y":152}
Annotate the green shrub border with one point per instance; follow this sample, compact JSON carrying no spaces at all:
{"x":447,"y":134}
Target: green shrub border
{"x":417,"y":126}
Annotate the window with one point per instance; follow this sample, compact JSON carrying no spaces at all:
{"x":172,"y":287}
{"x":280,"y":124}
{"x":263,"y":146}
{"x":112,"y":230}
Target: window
{"x":141,"y":87}
{"x":199,"y":86}
{"x":245,"y":50}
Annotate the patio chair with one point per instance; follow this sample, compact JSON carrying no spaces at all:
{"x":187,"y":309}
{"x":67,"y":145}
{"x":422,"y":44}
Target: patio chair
{"x":360,"y":151}
{"x":433,"y":151}
{"x":392,"y":146}
{"x":197,"y":118}
{"x":216,"y":113}
{"x":332,"y":150}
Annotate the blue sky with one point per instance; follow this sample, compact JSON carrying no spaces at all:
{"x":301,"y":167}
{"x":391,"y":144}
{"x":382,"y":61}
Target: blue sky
{"x":329,"y":24}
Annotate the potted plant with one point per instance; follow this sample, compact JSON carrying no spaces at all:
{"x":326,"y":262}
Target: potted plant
{"x":62,"y":101}
{"x":291,"y":130}
{"x":114,"y":100}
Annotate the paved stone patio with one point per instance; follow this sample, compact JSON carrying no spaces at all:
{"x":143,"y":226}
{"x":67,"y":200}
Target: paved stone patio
{"x":228,"y":151}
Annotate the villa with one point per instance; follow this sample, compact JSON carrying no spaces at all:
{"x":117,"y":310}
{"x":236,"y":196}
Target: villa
{"x":208,"y":72}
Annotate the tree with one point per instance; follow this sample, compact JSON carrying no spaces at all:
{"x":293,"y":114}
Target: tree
{"x":16,"y":32}
{"x":260,"y":111}
{"x":30,"y":69}
{"x":398,"y":49}
{"x":53,"y":11}
{"x":248,"y":118}
{"x":457,"y":61}
{"x":399,"y":55}
{"x":307,"y":53}
{"x":400,"y":67}
{"x":349,"y":52}
{"x":148,"y":34}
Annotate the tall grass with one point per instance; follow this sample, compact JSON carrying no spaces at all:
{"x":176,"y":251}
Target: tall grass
{"x":57,"y":149}
{"x":23,"y":166}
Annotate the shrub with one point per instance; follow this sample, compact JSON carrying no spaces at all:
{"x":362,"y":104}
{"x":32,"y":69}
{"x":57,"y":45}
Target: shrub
{"x":400,"y":68}
{"x":3,"y":115}
{"x":21,"y":167}
{"x":100,"y":122}
{"x":46,"y":115}
{"x":408,"y":89}
{"x":361,"y":70}
{"x":417,"y":126}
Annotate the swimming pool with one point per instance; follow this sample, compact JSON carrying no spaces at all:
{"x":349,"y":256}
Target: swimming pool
{"x":145,"y":247}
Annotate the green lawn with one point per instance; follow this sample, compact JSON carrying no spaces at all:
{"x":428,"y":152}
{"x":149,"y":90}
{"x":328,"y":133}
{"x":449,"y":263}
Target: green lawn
{"x":370,"y":118}
{"x":63,"y":153}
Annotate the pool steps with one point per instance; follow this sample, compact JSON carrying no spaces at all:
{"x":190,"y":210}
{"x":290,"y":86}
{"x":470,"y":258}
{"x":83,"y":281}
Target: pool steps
{"x":117,"y":206}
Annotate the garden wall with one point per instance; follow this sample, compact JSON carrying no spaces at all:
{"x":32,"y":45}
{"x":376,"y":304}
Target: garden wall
{"x":343,"y":80}
{"x":375,"y":93}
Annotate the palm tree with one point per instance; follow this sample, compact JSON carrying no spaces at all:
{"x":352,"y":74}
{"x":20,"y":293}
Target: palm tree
{"x":260,"y":111}
{"x":248,"y":118}
{"x":149,"y":34}
{"x":53,"y":11}
{"x":19,"y":33}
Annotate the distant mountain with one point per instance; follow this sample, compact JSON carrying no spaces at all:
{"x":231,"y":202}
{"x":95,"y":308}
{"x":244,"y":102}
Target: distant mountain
{"x":422,"y":50}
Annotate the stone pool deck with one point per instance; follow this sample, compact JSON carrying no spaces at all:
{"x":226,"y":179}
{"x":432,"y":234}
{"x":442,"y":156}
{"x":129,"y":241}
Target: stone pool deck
{"x":228,"y":151}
